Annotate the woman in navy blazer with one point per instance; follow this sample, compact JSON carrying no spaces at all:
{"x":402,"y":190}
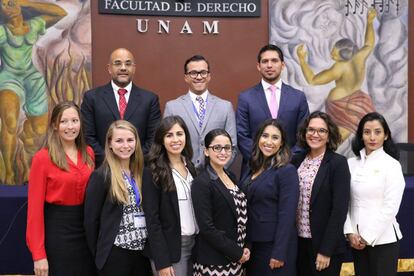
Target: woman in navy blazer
{"x":324,"y":184}
{"x":272,"y":196}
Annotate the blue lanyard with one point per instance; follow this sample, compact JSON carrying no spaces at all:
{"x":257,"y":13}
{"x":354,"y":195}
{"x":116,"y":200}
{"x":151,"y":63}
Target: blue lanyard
{"x":131,"y":181}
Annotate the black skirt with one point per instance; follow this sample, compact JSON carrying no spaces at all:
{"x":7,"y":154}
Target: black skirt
{"x":65,"y":243}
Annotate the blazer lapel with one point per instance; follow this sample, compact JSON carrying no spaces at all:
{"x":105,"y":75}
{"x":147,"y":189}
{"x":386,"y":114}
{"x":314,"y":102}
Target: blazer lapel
{"x":261,"y":98}
{"x":254,"y":186}
{"x":133,"y":101}
{"x":224,"y":191}
{"x":211,"y":101}
{"x":110,"y":101}
{"x":320,"y":176}
{"x":189,"y":108}
{"x":283,"y":101}
{"x":174,"y":201}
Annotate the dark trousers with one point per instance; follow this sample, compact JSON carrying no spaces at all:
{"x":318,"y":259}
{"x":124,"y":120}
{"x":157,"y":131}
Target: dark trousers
{"x":381,"y":260}
{"x":306,"y":261}
{"x":126,"y":263}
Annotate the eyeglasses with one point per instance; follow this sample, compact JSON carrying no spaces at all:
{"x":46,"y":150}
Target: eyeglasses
{"x":320,"y":131}
{"x":194,"y":74}
{"x":120,"y":63}
{"x":219,"y":148}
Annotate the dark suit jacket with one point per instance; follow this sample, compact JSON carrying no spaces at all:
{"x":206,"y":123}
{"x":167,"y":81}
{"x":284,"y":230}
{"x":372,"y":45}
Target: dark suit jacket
{"x":272,"y":200}
{"x":252,"y":110}
{"x":99,"y":110}
{"x":329,"y":203}
{"x":162,"y":216}
{"x":216,"y":215}
{"x":102,"y":216}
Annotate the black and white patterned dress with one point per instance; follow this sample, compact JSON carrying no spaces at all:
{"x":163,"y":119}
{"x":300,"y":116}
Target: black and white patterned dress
{"x":234,"y":268}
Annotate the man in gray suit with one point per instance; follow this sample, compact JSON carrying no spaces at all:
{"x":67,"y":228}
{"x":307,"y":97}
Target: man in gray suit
{"x":201,"y":110}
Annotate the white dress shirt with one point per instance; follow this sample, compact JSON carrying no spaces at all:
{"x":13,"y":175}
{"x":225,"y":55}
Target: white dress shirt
{"x":267,"y":92}
{"x":116,"y":88}
{"x":377,"y":187}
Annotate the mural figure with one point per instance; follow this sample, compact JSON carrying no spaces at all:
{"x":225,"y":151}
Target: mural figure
{"x":346,"y":102}
{"x":22,"y":86}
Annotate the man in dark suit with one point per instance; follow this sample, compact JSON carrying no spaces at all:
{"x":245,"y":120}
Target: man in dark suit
{"x":271,"y":98}
{"x":119,"y":99}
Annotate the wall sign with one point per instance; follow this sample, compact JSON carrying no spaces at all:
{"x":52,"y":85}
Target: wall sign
{"x":200,"y":8}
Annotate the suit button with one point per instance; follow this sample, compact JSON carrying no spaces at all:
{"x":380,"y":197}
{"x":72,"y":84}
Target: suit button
{"x":310,"y":211}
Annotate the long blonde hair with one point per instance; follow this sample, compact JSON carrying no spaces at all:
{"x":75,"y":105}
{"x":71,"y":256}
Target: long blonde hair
{"x":118,"y":190}
{"x":54,"y":144}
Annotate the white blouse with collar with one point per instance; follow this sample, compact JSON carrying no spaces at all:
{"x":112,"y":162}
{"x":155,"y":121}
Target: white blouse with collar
{"x":377,"y":187}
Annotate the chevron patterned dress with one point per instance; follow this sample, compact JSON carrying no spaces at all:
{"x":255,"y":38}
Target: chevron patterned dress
{"x":234,"y":268}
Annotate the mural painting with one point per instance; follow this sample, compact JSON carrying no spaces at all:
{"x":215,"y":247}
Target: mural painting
{"x":350,"y":57}
{"x":45,"y":57}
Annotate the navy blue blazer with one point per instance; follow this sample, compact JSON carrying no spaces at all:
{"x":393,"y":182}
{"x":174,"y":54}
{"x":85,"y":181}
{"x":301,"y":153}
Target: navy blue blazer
{"x":252,"y":110}
{"x":272,"y":200}
{"x":99,"y":110}
{"x":328,"y":203}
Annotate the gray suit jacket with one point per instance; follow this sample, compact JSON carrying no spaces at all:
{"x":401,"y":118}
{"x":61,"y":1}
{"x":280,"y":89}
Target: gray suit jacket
{"x":219,"y":114}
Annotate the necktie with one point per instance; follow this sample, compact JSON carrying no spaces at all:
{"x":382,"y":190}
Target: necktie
{"x":122,"y":102}
{"x":201,"y":110}
{"x":273,"y":106}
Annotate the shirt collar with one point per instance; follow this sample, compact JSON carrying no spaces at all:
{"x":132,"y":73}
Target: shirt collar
{"x":266,"y":85}
{"x":372,"y":155}
{"x":116,"y":87}
{"x":194,"y":96}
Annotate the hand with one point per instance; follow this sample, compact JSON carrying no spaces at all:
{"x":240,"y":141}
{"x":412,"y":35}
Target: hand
{"x":356,"y":241}
{"x":372,"y":13}
{"x":301,"y":52}
{"x":246,"y":255}
{"x":41,"y":267}
{"x":322,"y":262}
{"x":275,"y":263}
{"x":168,"y":271}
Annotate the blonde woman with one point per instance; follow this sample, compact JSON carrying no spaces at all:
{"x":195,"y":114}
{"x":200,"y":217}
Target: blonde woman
{"x":114,"y":219}
{"x":57,"y":183}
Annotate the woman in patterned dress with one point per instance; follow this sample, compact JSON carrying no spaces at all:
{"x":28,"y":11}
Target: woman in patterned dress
{"x":220,"y":209}
{"x":324,"y":184}
{"x":272,"y":196}
{"x":114,"y":219}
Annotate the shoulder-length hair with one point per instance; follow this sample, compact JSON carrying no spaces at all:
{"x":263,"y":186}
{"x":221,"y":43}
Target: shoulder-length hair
{"x":118,"y":189}
{"x":54,"y":144}
{"x":280,"y":158}
{"x":389,"y":146}
{"x":334,"y":137}
{"x":157,"y":158}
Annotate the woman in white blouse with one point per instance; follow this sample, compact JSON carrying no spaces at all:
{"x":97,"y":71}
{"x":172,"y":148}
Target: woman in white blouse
{"x":377,"y":186}
{"x":168,"y":205}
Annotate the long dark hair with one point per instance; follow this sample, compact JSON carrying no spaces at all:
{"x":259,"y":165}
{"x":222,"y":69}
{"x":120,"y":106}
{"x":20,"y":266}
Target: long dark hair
{"x":389,"y":146}
{"x":157,"y":158}
{"x":281,"y":157}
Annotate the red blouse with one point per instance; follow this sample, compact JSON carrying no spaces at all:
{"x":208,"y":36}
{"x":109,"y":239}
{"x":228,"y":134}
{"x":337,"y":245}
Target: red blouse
{"x":48,"y":183}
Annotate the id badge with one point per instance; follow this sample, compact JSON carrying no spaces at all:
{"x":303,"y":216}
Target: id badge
{"x":139,"y":221}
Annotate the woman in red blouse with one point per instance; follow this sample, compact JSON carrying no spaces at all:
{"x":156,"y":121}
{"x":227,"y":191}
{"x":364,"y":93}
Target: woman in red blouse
{"x":57,"y":183}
